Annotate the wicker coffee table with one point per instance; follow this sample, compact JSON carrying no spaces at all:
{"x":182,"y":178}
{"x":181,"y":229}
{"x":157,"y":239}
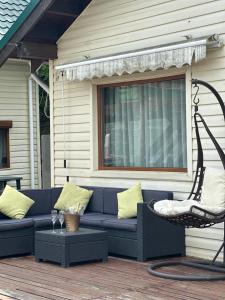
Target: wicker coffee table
{"x":71,"y":247}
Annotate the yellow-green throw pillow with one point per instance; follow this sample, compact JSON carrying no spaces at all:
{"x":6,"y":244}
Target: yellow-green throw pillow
{"x":14,"y":204}
{"x":73,"y":196}
{"x":128,"y":200}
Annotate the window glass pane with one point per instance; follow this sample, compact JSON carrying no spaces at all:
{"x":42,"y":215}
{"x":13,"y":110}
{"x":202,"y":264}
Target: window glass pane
{"x":144,"y":125}
{"x":3,"y":148}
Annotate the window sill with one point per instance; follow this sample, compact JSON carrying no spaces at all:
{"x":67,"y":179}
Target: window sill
{"x":147,"y":175}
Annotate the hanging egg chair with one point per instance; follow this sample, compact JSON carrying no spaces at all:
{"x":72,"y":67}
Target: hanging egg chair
{"x":192,"y":213}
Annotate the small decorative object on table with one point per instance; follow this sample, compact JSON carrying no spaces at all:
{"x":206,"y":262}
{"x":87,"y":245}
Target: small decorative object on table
{"x":72,"y":218}
{"x":54,"y":219}
{"x":61,"y":219}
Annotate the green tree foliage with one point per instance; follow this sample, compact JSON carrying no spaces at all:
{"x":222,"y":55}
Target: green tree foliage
{"x":43,"y":73}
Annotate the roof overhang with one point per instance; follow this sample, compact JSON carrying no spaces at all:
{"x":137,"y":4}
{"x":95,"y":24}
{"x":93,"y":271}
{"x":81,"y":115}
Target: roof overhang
{"x":23,"y":29}
{"x":16,"y":25}
{"x":162,"y":57}
{"x":34,"y":34}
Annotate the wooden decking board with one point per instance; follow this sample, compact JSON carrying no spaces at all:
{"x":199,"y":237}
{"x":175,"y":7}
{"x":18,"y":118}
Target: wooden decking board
{"x":4,"y":295}
{"x":12,"y":292}
{"x":53,"y":285}
{"x":57,"y":267}
{"x":56,"y":277}
{"x":85,"y":271}
{"x":99,"y":265}
{"x":35,"y":282}
{"x":178,"y":291}
{"x":39,"y":280}
{"x":25,"y":292}
{"x":117,"y":279}
{"x":47,"y":291}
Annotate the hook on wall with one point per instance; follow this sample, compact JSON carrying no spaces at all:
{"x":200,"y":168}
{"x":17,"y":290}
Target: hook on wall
{"x":196,"y":101}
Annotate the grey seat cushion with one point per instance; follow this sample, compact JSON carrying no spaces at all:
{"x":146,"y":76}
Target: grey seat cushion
{"x":15,"y":224}
{"x":122,"y":224}
{"x":42,"y":221}
{"x":108,"y":221}
{"x":93,"y":219}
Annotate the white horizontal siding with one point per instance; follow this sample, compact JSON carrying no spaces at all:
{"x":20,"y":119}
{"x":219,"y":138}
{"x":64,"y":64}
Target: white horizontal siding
{"x":158,"y":23}
{"x":110,"y":27}
{"x":14,"y":106}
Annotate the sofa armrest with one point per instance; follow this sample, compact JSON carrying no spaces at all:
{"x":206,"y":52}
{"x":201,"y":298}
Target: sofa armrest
{"x":147,"y":221}
{"x":156,"y":236}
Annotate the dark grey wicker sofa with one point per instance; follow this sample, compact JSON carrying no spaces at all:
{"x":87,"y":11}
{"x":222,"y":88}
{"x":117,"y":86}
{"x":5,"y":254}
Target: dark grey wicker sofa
{"x":146,"y":236}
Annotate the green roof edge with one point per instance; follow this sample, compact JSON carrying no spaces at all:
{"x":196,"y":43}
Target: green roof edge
{"x":12,"y":30}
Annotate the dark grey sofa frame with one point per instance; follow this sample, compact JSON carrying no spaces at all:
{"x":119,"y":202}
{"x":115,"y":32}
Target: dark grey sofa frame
{"x":154,"y":238}
{"x":148,"y":236}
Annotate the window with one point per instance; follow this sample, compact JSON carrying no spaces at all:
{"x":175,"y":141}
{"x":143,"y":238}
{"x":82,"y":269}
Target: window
{"x":4,"y":144}
{"x":142,"y":125}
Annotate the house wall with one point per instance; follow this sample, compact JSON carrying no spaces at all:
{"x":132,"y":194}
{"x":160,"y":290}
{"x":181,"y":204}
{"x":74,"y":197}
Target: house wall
{"x":14,"y":106}
{"x":109,"y":27}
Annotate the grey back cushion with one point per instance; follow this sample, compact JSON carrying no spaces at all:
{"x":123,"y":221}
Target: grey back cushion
{"x":111,"y":202}
{"x":103,"y":200}
{"x":55,"y":193}
{"x":42,"y":201}
{"x":149,"y":195}
{"x":96,"y":201}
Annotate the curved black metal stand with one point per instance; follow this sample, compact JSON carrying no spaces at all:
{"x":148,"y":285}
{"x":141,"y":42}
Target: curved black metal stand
{"x":194,"y":218}
{"x":208,"y":266}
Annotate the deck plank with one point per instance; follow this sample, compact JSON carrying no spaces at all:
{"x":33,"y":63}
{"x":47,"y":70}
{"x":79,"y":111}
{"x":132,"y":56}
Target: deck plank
{"x":118,"y":279}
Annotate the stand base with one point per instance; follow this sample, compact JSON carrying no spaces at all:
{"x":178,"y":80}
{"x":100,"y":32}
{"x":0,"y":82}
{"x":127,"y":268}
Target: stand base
{"x":208,"y":266}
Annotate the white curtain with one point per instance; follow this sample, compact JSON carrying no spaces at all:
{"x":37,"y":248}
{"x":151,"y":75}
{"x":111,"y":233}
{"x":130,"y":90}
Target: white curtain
{"x":145,"y":125}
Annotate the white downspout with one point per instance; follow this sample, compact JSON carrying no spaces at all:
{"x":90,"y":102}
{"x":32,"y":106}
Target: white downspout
{"x":32,"y":78}
{"x":31,"y":126}
{"x":40,"y":82}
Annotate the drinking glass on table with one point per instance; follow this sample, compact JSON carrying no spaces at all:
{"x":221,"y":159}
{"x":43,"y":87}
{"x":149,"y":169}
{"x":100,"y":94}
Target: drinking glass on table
{"x":61,"y":219}
{"x":54,"y":219}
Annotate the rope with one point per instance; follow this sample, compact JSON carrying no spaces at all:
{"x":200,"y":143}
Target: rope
{"x":63,"y":115}
{"x":46,"y":107}
{"x":64,"y":140}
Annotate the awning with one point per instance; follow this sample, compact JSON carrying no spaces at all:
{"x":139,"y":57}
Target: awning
{"x":164,"y":57}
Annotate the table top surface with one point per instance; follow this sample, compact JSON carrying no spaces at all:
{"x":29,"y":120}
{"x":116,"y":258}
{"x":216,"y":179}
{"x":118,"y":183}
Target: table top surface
{"x":82,"y":233}
{"x":9,"y":178}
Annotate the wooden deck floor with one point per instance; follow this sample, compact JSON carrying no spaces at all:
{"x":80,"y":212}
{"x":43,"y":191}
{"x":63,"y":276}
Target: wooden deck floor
{"x":117,"y":279}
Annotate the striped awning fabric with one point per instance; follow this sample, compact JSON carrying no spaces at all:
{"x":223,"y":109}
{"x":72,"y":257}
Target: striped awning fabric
{"x":163,"y":57}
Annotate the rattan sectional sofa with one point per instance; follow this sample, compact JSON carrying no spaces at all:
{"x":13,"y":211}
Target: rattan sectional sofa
{"x":144,"y":237}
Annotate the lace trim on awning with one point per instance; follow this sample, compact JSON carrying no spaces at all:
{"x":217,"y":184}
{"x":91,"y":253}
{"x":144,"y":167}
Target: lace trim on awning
{"x":176,"y":55}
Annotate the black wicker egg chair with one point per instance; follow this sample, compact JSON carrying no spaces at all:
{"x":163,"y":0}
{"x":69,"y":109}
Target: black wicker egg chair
{"x":196,"y":217}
